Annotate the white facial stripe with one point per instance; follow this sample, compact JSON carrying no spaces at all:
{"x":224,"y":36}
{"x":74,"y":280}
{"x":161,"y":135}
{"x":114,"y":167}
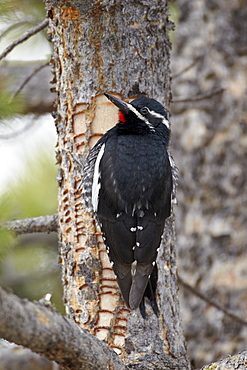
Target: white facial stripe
{"x":96,"y":177}
{"x":155,"y":114}
{"x":164,"y":120}
{"x":140,"y":116}
{"x":166,"y":123}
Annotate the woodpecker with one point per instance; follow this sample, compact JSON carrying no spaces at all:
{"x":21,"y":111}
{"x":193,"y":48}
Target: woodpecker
{"x":129,"y":183}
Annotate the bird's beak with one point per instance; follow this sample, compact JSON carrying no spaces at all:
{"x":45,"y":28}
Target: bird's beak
{"x":119,"y":103}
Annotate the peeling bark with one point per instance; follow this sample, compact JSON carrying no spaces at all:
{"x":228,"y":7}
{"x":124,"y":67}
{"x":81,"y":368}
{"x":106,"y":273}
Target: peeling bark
{"x":122,"y":48}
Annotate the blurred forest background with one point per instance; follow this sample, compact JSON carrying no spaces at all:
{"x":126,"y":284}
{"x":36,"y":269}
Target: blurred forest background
{"x":29,"y":263}
{"x":209,"y":144}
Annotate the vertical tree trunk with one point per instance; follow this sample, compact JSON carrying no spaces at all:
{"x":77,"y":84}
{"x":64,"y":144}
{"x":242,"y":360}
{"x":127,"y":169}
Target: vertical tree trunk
{"x":122,"y":48}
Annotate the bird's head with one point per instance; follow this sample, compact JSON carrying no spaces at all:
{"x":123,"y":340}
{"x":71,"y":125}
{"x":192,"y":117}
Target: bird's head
{"x":142,"y":113}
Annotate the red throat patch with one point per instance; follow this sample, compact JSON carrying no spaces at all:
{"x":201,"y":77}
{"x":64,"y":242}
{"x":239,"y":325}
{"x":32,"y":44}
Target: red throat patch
{"x":122,"y":118}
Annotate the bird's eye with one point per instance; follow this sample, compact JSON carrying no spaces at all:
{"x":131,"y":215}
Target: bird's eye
{"x":144,"y":110}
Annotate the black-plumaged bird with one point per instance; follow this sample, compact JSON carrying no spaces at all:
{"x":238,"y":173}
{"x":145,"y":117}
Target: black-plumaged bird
{"x":129,"y":184}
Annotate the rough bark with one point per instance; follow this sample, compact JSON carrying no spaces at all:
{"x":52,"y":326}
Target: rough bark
{"x":48,"y":333}
{"x":99,"y":46}
{"x":42,"y":224}
{"x":13,"y":357}
{"x":235,"y":362}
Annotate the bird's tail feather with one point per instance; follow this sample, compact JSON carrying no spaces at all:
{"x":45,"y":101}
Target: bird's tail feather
{"x":124,"y":279}
{"x":139,"y":284}
{"x":150,"y":293}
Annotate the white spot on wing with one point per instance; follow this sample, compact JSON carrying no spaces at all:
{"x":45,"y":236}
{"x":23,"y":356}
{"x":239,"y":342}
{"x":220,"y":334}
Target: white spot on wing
{"x":133,"y":210}
{"x":140,"y":227}
{"x":141,"y":213}
{"x":133,"y":229}
{"x":133,"y":268}
{"x":137,"y":244}
{"x":96,"y":179}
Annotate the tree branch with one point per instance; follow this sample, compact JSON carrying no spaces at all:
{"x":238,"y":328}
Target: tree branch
{"x":16,"y":133}
{"x":18,"y":357}
{"x":28,"y":78}
{"x":178,"y":74}
{"x":49,"y":333}
{"x":212,"y":303}
{"x":37,"y":97}
{"x":207,"y":95}
{"x":234,"y":362}
{"x":42,"y":224}
{"x":49,"y":224}
{"x":24,"y":37}
{"x":16,"y":25}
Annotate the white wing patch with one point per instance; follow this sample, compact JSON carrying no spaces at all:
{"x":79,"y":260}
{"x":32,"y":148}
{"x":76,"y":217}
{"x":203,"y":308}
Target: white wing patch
{"x":96,"y":180}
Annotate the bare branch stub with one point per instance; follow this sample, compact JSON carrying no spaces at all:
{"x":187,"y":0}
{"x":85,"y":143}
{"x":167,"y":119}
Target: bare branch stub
{"x":42,"y":224}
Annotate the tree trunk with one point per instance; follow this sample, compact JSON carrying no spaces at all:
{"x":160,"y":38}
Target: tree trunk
{"x":122,"y":48}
